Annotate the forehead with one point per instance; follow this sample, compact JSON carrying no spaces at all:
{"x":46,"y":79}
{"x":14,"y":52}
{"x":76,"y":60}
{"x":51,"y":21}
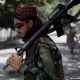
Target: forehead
{"x":17,"y":20}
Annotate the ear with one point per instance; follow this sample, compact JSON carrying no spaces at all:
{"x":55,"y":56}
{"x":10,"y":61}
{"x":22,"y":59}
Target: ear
{"x":30,"y":24}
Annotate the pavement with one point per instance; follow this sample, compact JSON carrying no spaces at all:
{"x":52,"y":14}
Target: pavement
{"x":71,"y":62}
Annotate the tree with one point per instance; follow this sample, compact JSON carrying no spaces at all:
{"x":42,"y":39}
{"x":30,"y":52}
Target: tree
{"x":7,"y":10}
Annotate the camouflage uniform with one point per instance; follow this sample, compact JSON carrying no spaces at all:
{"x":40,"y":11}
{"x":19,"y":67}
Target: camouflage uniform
{"x":44,"y":61}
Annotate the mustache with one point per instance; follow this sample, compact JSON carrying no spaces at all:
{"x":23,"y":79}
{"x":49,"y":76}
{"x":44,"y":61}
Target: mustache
{"x":19,"y":32}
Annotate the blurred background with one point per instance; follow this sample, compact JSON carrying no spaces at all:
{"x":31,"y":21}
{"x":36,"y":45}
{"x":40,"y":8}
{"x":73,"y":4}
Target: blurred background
{"x":68,"y":44}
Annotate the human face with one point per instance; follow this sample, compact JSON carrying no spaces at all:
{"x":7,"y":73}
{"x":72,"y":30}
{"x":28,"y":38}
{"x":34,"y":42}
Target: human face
{"x":22,"y":27}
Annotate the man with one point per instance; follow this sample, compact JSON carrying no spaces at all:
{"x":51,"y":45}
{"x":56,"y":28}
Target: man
{"x":43,"y":60}
{"x":71,"y":39}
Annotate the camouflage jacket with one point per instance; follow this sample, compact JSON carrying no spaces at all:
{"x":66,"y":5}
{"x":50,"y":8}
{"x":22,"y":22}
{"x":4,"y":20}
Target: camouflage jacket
{"x":43,"y":61}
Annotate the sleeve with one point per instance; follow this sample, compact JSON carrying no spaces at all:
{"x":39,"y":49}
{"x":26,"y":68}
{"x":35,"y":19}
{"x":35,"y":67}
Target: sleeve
{"x":22,"y":67}
{"x":47,"y":60}
{"x":44,"y":61}
{"x":28,"y":65}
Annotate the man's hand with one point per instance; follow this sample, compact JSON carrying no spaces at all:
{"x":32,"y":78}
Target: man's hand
{"x":14,"y":61}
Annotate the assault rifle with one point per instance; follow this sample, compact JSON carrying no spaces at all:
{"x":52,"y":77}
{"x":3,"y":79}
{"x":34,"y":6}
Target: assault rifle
{"x":55,"y":17}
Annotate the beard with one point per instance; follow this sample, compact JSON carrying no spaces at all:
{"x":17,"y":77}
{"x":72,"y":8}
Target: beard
{"x":20,"y":35}
{"x":23,"y":36}
{"x":27,"y":35}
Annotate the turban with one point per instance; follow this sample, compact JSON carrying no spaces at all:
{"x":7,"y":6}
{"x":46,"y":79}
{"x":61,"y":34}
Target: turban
{"x":26,"y":13}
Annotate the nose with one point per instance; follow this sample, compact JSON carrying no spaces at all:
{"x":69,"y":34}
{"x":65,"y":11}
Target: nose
{"x":16,"y":29}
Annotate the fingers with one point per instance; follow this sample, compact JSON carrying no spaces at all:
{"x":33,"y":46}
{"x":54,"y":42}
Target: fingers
{"x":16,"y":55}
{"x":14,"y":61}
{"x":12,"y":58}
{"x":8,"y":60}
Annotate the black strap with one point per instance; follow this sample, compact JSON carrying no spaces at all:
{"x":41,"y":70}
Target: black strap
{"x":23,"y":18}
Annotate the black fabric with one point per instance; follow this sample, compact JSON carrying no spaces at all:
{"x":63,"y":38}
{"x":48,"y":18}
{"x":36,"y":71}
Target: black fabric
{"x":23,"y":18}
{"x":29,"y":76}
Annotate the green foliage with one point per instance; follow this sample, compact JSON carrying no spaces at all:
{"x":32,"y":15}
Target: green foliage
{"x":44,"y":10}
{"x":7,"y":10}
{"x":44,"y":7}
{"x":74,"y":10}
